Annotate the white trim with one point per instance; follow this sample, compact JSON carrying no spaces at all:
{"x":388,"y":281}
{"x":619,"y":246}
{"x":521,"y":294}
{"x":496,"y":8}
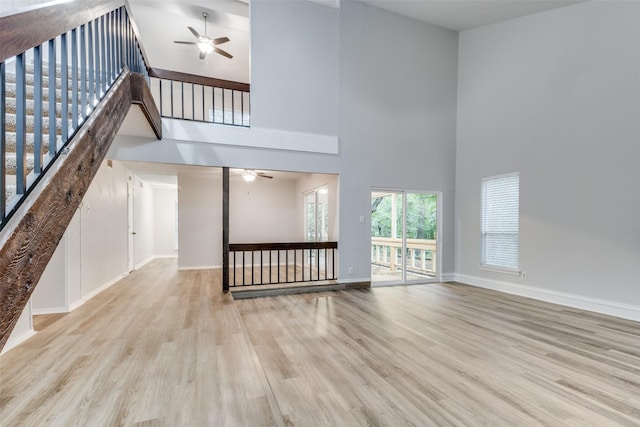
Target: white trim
{"x":498,"y":269}
{"x":143,"y":262}
{"x":199,"y":267}
{"x":52,"y":310}
{"x":165,"y":256}
{"x":448,"y":277}
{"x":611,"y":308}
{"x":76,"y":304}
{"x":96,"y":291}
{"x":363,"y":279}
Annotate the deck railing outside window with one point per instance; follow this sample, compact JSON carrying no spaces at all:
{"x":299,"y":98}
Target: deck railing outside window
{"x":420,"y":256}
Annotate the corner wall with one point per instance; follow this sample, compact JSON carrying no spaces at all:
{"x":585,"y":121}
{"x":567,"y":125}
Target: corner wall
{"x":556,"y":96}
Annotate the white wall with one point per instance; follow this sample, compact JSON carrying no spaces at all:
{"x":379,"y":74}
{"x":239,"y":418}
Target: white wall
{"x":295,"y":66}
{"x":262,"y":211}
{"x":398,"y":118}
{"x":22,"y":330}
{"x":556,"y":96}
{"x":164,"y":221}
{"x":50,"y":295}
{"x":199,"y":221}
{"x":396,"y":123}
{"x":104,"y":228}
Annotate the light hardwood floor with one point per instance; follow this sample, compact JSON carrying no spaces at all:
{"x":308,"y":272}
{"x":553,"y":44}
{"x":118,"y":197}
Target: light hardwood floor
{"x":168,"y":348}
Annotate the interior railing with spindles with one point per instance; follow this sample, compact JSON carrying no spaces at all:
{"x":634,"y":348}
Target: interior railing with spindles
{"x":50,"y":86}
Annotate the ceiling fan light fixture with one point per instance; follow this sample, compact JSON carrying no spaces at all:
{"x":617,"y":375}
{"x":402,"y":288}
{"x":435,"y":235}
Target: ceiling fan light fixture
{"x":249,"y":175}
{"x":205,"y":46}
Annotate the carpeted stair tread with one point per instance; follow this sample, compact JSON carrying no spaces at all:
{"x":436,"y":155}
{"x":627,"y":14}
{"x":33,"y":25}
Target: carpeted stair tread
{"x":10,"y":138}
{"x":10,"y":162}
{"x":10,"y":124}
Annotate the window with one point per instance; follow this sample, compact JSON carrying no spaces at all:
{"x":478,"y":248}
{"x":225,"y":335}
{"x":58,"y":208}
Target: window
{"x":316,"y":204}
{"x":500,"y":214}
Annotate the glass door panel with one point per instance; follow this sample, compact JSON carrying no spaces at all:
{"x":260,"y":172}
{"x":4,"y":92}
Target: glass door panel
{"x":421,"y":232}
{"x":387,"y":227}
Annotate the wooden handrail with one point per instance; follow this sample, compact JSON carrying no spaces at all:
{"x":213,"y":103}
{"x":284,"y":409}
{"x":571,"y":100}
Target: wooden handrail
{"x":33,"y":27}
{"x":237,"y":247}
{"x":199,"y":80}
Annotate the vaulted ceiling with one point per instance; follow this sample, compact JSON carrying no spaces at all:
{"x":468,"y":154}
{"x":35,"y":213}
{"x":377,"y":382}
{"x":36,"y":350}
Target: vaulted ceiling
{"x":162,"y":22}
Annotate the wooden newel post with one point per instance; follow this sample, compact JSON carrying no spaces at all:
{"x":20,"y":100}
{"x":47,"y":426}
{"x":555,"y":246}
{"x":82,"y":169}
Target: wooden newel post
{"x":225,"y":229}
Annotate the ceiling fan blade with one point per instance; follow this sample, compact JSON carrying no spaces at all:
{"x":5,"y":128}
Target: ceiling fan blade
{"x":220,"y":40}
{"x":223,"y":53}
{"x":202,"y":55}
{"x":194,"y":32}
{"x":182,"y":42}
{"x":264,"y":175}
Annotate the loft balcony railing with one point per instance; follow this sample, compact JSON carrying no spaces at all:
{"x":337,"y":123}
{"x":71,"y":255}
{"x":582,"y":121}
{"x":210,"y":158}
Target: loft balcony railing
{"x":420,"y":257}
{"x":50,"y":86}
{"x":281,"y":263}
{"x":201,"y":99}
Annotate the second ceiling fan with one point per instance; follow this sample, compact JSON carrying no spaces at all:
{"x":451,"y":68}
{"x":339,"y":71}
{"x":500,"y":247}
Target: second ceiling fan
{"x":205,"y":43}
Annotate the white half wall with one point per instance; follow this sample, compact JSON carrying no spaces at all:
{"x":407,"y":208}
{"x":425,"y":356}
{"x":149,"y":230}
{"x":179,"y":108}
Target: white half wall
{"x":556,"y":96}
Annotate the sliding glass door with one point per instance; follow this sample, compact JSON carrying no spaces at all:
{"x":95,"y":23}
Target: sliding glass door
{"x":404,"y":230}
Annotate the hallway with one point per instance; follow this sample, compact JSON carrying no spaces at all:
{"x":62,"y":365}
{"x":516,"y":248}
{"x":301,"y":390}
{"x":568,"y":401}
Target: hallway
{"x":164,"y":347}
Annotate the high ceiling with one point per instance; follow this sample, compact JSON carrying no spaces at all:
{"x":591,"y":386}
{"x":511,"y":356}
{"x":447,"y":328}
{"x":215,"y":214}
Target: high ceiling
{"x":162,"y":22}
{"x":462,"y":15}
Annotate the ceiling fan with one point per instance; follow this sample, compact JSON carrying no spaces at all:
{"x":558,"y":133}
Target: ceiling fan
{"x":250,"y":175}
{"x":205,"y":43}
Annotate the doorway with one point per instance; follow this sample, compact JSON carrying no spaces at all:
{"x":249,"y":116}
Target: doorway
{"x":404,"y":237}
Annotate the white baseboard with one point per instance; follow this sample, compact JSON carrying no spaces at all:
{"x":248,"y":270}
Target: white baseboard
{"x":96,"y":291}
{"x":14,"y":341}
{"x":163,"y":256}
{"x":612,"y":308}
{"x":199,"y":267}
{"x":52,"y":310}
{"x":143,"y":262}
{"x":355,"y":280}
{"x":447,"y":277}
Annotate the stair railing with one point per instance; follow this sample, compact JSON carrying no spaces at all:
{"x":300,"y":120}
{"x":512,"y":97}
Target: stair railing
{"x":201,"y":99}
{"x":52,"y":82}
{"x":277,"y":263}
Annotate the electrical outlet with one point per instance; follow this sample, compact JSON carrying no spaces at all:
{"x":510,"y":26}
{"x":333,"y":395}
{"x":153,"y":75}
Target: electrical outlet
{"x":523,"y":275}
{"x":351,"y":271}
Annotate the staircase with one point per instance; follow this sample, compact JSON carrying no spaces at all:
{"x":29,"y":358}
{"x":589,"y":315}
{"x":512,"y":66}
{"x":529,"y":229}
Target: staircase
{"x":50,"y":153}
{"x":11,"y":160}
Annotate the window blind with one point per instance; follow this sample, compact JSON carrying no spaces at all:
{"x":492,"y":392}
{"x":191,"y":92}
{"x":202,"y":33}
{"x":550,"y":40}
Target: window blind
{"x":500,"y":215}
